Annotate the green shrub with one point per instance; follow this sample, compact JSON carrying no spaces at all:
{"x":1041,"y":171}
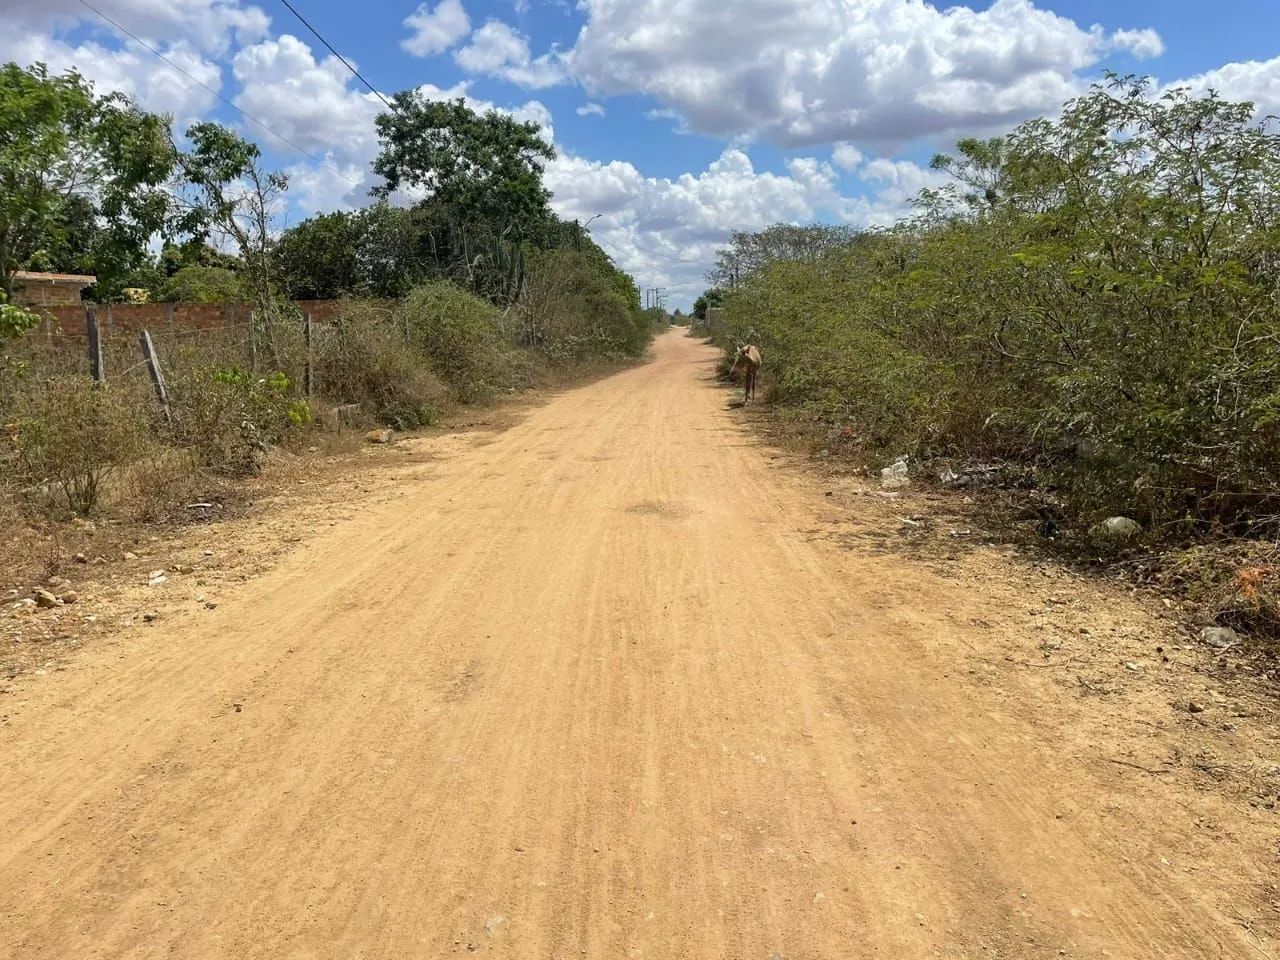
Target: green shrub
{"x":1093,"y":299}
{"x":229,"y":416}
{"x":458,"y":333}
{"x":572,"y":309}
{"x":197,"y":284}
{"x":70,"y":437}
{"x":14,"y":321}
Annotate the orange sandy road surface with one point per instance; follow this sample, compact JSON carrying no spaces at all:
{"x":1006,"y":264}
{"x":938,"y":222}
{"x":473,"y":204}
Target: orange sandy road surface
{"x":587,"y":691}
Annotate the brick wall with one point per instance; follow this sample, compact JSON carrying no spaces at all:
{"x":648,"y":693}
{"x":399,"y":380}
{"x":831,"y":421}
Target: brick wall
{"x":126,"y":318}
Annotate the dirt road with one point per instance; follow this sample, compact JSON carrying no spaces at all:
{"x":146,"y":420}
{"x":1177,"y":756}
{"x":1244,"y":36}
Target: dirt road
{"x":591,"y":689}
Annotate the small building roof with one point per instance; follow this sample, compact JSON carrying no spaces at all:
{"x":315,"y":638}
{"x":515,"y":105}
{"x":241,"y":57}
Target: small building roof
{"x":83,"y":280}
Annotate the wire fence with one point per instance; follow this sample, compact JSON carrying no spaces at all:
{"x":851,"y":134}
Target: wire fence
{"x":193,"y":337}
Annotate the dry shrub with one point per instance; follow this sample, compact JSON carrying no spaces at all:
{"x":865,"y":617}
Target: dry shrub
{"x":572,"y":310}
{"x":229,"y":416}
{"x":1234,"y":583}
{"x":71,"y":436}
{"x":460,"y":334}
{"x":161,"y":486}
{"x":362,"y":357}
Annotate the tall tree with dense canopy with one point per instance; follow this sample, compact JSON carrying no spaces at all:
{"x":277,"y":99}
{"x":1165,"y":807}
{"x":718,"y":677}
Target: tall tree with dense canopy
{"x":484,"y":167}
{"x":381,"y":251}
{"x":319,"y":258}
{"x":480,"y":176}
{"x":782,"y":242}
{"x":82,"y":176}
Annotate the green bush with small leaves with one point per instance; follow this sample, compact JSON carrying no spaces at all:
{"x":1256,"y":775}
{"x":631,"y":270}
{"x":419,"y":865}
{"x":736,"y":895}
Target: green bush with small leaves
{"x":573,"y":309}
{"x":230,"y":416}
{"x":459,"y":335}
{"x":1092,"y":298}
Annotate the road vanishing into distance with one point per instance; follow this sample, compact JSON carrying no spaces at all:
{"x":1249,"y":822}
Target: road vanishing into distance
{"x":594,"y":689}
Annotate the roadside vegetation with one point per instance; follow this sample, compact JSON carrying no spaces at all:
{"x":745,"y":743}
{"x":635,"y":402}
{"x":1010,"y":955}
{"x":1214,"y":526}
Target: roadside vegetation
{"x":476,"y":292}
{"x":1087,"y":314}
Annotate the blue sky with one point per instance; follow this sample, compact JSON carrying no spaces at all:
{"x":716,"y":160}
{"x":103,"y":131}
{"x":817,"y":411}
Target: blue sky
{"x":677,"y":120}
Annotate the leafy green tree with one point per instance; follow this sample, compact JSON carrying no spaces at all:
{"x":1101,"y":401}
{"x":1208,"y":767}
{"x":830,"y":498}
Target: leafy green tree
{"x":196,"y":284}
{"x":226,"y":192}
{"x":14,"y":321}
{"x":81,"y":176}
{"x":71,"y":241}
{"x":318,"y":258}
{"x":481,"y":177}
{"x":979,"y":171}
{"x":711,"y":298}
{"x":479,"y":167}
{"x":395,"y":251}
{"x":1092,"y":298}
{"x":381,"y":251}
{"x":194,"y":253}
{"x":566,"y":235}
{"x":749,"y":252}
{"x":572,"y":308}
{"x":148,"y":277}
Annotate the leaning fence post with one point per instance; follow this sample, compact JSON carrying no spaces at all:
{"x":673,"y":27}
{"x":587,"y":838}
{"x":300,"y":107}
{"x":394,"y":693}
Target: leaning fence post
{"x":157,"y":377}
{"x":94,"y":335}
{"x":306,"y":371}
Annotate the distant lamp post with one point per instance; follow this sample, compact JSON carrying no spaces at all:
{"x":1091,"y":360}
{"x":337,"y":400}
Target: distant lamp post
{"x":579,"y":227}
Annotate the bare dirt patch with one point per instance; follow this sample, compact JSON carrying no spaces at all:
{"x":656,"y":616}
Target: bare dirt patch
{"x":125,"y":574}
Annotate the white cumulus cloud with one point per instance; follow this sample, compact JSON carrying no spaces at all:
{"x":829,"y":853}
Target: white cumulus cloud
{"x":1141,"y":43}
{"x":309,"y":101}
{"x":436,"y":30}
{"x":131,"y":70}
{"x":210,"y":25}
{"x":498,"y":50}
{"x":665,"y":231}
{"x":874,"y":72}
{"x":1257,"y":81}
{"x":192,"y":34}
{"x":591,"y":110}
{"x":846,"y":156}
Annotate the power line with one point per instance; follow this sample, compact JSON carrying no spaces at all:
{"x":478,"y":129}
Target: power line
{"x":354,"y":71}
{"x":248,"y":116}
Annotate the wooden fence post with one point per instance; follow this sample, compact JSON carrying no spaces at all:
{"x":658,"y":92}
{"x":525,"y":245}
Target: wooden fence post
{"x":157,"y":376}
{"x":306,"y":371}
{"x":94,"y":336}
{"x":253,"y":340}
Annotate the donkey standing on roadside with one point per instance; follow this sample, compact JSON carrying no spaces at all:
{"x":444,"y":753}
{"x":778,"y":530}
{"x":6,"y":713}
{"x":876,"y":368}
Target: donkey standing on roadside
{"x":749,"y":359}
